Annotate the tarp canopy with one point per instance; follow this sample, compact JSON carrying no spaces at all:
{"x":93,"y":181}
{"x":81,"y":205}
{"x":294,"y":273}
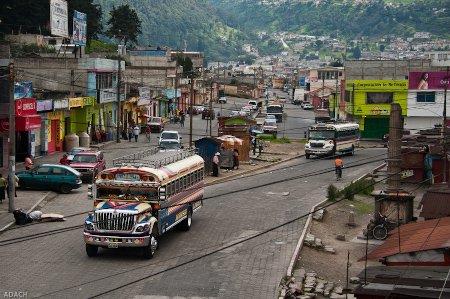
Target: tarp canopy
{"x":230,"y":139}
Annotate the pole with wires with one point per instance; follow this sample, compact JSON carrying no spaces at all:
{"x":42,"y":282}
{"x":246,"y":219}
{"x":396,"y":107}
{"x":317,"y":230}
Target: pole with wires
{"x":190,"y":109}
{"x":12,"y":141}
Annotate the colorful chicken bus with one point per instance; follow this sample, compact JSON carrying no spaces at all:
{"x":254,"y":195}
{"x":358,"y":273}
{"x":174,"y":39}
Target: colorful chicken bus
{"x":138,"y":200}
{"x":332,"y":138}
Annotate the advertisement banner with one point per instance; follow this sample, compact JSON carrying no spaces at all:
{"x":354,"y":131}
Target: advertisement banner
{"x":59,"y":18}
{"x":376,"y":85}
{"x":61,"y":104}
{"x":109,"y":96}
{"x":88,"y":101}
{"x":25,"y":107}
{"x":144,"y":96}
{"x":79,"y":28}
{"x":428,"y":80}
{"x":75,"y":102}
{"x":23,"y":90}
{"x":44,"y":105}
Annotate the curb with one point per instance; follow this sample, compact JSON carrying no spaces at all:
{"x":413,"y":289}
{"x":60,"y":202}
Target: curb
{"x":307,"y":227}
{"x":224,"y":179}
{"x":29,"y":210}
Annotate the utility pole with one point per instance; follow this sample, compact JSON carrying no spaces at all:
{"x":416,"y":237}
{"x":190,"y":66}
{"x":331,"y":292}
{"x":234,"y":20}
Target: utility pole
{"x":210,"y":105}
{"x":336,"y":109}
{"x":12,"y":141}
{"x":254,"y":82}
{"x":119,"y":79}
{"x":72,"y":82}
{"x":190,"y":109}
{"x":444,"y":130}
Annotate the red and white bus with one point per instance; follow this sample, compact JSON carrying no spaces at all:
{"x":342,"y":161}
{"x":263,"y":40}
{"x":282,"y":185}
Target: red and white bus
{"x":325,"y":139}
{"x":139,"y":200}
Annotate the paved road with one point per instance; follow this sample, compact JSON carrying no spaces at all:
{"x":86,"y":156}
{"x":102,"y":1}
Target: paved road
{"x":56,"y":266}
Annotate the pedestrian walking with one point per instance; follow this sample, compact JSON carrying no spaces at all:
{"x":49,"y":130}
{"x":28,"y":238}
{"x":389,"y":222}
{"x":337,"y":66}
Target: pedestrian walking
{"x":136,"y":132}
{"x":254,"y":145}
{"x":3,"y":185}
{"x":64,"y":160}
{"x":148,"y":133}
{"x":130,"y":132}
{"x":236,"y":159}
{"x":181,"y":119}
{"x":16,"y":185}
{"x":28,"y":162}
{"x":260,"y":146}
{"x":215,"y":164}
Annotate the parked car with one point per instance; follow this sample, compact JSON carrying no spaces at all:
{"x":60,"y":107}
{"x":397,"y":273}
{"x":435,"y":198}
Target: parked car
{"x":156,"y":124}
{"x":170,"y":135}
{"x":253,"y":104}
{"x":88,"y":164}
{"x":208,"y":113}
{"x":308,"y":106}
{"x":76,"y":150}
{"x":222,"y":100}
{"x":270,"y":126}
{"x":197,"y":110}
{"x":56,"y":177}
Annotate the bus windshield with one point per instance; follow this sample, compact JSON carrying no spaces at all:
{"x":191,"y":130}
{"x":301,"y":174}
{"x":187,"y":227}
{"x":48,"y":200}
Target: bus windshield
{"x":321,"y":135}
{"x":274,"y":109}
{"x":126,"y":193}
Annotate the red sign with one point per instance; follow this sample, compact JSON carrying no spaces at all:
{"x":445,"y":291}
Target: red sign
{"x":25,"y":107}
{"x":23,"y":123}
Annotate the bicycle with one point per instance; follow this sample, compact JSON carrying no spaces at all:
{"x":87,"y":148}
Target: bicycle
{"x":380,"y":231}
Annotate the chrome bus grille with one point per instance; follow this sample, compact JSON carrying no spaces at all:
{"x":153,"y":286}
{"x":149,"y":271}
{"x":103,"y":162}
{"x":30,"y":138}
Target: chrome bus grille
{"x":114,"y":220}
{"x":316,"y":144}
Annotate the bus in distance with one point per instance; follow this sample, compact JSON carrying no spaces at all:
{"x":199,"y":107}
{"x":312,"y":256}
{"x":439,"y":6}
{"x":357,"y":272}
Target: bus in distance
{"x":332,"y":138}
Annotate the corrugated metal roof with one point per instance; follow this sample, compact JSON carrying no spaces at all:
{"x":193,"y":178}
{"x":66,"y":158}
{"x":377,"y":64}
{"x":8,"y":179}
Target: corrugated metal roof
{"x":418,"y":236}
{"x":435,"y":203}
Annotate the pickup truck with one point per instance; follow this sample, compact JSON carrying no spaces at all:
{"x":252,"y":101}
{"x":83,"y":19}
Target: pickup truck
{"x":88,"y":164}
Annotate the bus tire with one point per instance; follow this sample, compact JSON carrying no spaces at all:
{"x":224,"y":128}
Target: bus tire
{"x":150,"y":250}
{"x":185,"y":225}
{"x":307,"y":156}
{"x":91,"y":250}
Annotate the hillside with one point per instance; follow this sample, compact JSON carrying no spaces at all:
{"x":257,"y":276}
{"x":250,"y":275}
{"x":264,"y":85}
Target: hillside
{"x":220,"y":27}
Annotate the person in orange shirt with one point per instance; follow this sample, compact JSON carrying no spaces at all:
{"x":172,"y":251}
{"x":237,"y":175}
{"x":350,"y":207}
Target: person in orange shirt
{"x":338,"y":165}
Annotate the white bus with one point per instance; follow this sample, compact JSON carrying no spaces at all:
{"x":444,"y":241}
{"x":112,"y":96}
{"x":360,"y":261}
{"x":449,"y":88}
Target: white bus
{"x":330,"y":139}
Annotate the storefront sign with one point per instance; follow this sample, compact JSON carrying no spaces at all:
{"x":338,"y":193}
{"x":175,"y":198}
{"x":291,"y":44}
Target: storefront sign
{"x":388,"y":85}
{"x":377,"y":111}
{"x":44,"y":105}
{"x":75,"y":102}
{"x":23,"y":123}
{"x":88,"y":101}
{"x":25,"y":107}
{"x":61,"y":104}
{"x":108,"y":96}
{"x":429,"y":80}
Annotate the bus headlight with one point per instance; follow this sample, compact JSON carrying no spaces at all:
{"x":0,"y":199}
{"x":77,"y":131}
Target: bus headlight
{"x":142,"y":228}
{"x":88,"y":226}
{"x":307,"y":146}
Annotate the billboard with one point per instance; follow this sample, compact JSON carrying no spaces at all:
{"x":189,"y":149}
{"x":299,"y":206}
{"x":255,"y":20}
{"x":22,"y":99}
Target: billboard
{"x":428,"y":80}
{"x":59,"y":18}
{"x":79,"y":28}
{"x":23,"y":90}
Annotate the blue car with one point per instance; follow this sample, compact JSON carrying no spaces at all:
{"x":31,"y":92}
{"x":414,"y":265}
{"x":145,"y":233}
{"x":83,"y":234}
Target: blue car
{"x":50,"y":177}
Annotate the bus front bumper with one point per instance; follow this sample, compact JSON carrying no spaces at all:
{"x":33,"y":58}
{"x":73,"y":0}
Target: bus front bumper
{"x":116,"y":241}
{"x":319,"y":151}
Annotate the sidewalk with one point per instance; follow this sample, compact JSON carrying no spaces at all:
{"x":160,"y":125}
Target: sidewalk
{"x":31,"y":199}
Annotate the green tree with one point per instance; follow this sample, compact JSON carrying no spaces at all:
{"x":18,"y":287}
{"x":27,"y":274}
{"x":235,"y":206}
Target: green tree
{"x":124,"y":23}
{"x":356,"y":53}
{"x":186,"y":63}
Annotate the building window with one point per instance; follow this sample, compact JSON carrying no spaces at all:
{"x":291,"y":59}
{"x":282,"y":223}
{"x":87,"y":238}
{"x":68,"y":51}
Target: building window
{"x":379,"y":97}
{"x":104,"y":80}
{"x":348,"y":96}
{"x":426,"y":97}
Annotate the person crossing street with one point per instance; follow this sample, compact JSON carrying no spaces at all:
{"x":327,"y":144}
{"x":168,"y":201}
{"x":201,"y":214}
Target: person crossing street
{"x":338,"y":165}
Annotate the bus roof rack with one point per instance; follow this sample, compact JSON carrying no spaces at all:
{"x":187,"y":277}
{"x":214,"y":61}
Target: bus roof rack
{"x":152,"y":158}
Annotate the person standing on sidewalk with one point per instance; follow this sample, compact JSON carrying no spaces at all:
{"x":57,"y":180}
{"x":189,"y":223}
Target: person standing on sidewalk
{"x":3,"y":185}
{"x":130,"y":132}
{"x":16,"y":184}
{"x":136,"y":132}
{"x":260,"y":146}
{"x":28,"y":162}
{"x":236,"y":159}
{"x":215,"y":164}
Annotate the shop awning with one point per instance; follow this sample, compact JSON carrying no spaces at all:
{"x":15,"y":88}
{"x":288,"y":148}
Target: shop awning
{"x":23,"y":123}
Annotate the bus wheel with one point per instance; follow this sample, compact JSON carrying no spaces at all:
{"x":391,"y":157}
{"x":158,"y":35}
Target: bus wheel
{"x":307,"y":156}
{"x":91,"y":250}
{"x":186,"y":223}
{"x":149,"y":251}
